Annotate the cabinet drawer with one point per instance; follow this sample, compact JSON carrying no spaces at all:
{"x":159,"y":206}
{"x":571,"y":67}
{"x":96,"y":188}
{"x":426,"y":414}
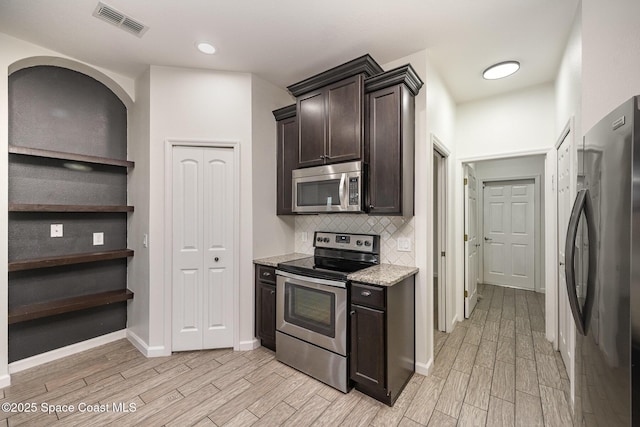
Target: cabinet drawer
{"x":266,"y":274}
{"x":371,"y":296}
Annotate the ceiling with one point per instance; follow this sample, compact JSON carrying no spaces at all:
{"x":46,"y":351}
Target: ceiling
{"x":285,"y":41}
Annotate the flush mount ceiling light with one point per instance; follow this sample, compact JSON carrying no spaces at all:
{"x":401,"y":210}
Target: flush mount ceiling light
{"x":206,"y":47}
{"x":501,"y":70}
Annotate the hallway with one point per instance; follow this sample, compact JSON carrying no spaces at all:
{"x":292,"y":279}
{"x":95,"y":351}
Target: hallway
{"x":498,"y":366}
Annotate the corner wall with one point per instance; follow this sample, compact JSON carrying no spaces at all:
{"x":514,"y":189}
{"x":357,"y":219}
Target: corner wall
{"x":272,"y":234}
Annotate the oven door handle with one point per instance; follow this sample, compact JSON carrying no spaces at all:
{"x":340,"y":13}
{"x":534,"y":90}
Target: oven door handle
{"x":312,"y":280}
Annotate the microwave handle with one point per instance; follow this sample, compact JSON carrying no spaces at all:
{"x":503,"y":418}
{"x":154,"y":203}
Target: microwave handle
{"x":344,"y":200}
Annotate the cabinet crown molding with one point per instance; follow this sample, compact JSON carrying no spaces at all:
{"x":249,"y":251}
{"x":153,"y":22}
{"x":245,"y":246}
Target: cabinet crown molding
{"x":285,"y":112}
{"x":404,"y":74}
{"x":363,"y":65}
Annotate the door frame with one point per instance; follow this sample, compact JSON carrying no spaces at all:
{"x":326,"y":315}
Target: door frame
{"x":168,"y":232}
{"x":538,"y":272}
{"x":442,"y":234}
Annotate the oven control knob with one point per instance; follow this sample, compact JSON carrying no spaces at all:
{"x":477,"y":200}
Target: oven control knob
{"x":359,"y":242}
{"x":367,"y":243}
{"x":319,"y":239}
{"x":326,"y":240}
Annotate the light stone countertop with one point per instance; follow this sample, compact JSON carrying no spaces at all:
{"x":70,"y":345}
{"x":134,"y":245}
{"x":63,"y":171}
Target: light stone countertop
{"x":383,"y":274}
{"x":273,"y":261}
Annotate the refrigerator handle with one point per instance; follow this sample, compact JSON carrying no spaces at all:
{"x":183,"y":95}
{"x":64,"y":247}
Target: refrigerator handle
{"x":581,"y":317}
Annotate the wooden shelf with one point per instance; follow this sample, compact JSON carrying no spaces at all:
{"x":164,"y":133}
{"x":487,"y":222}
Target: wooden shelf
{"x":30,"y":264}
{"x":36,"y":311}
{"x":37,"y":152}
{"x":25,"y":207}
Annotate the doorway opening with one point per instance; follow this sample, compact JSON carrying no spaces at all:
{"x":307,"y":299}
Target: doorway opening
{"x":439,"y":240}
{"x":504,"y":225}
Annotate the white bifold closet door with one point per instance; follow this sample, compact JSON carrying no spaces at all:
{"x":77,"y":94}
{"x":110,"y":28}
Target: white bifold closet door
{"x":203,"y":252}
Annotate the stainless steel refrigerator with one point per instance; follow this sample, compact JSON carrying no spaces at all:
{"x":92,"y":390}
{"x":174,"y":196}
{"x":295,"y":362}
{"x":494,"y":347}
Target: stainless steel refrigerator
{"x":603,"y":276}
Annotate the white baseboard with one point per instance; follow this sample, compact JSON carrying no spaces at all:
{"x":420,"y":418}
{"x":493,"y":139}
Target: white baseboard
{"x":144,"y":348}
{"x":5,"y":381}
{"x":424,"y":368}
{"x":59,"y":353}
{"x":248,"y":345}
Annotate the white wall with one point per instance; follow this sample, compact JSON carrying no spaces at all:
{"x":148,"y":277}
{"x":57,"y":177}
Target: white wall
{"x":138,"y":193}
{"x":610,"y":56}
{"x":12,"y":50}
{"x":568,"y":87}
{"x":190,"y":104}
{"x":272,"y":234}
{"x":512,"y":123}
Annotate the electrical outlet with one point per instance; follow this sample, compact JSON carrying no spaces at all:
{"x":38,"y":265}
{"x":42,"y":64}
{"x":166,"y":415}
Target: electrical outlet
{"x":98,"y":239}
{"x":145,"y":240}
{"x":304,"y":236}
{"x":404,"y":244}
{"x":56,"y":230}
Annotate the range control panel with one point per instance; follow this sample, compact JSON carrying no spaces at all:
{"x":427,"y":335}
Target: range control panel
{"x":352,"y":242}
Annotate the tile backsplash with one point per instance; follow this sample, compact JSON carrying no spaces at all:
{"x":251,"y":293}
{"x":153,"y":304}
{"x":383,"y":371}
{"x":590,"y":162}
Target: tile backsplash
{"x":390,"y":229}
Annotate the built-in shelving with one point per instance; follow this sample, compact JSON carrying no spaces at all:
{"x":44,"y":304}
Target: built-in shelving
{"x":27,"y":207}
{"x":31,"y":264}
{"x":38,"y":152}
{"x":67,"y":305}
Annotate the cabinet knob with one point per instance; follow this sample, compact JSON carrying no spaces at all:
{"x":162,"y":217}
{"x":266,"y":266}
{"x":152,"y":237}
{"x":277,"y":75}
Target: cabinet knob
{"x":273,"y":292}
{"x":322,"y":157}
{"x":352,"y":313}
{"x":371,"y":207}
{"x":266,"y":274}
{"x":365,"y":293}
{"x":216,"y":259}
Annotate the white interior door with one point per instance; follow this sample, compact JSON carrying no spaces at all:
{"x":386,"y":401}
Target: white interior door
{"x":203,"y":278}
{"x":565,"y":201}
{"x":471,"y":240}
{"x":509,"y":234}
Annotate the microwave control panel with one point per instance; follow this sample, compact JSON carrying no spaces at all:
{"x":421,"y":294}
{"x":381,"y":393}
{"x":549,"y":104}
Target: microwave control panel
{"x":354,"y":191}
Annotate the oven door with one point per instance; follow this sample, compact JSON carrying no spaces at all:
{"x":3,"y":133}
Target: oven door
{"x":313,"y":310}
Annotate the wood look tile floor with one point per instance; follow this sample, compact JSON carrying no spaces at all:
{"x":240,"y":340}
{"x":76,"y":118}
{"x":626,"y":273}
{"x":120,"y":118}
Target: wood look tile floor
{"x":494,"y":369}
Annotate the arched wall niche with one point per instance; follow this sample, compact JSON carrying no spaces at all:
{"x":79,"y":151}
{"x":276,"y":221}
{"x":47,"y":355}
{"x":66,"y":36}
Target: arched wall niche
{"x":75,"y":66}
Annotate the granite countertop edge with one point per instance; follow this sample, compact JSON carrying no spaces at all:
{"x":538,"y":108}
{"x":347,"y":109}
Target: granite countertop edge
{"x":273,"y":261}
{"x":383,"y":274}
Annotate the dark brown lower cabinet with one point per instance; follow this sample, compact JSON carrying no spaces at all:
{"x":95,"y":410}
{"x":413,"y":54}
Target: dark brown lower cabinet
{"x":266,"y":306}
{"x":382,"y":358}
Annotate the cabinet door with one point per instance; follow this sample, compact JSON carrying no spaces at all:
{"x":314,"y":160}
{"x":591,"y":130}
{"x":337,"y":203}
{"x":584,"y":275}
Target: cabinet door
{"x":345,"y":120}
{"x":385,"y":151}
{"x":367,"y":346}
{"x":312,"y":128}
{"x":266,"y":314}
{"x":287,"y":161}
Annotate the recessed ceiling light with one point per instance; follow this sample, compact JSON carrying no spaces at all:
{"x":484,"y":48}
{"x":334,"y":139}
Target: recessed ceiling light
{"x":206,"y":47}
{"x":501,"y":70}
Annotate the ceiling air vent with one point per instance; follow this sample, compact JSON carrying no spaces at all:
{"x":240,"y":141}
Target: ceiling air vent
{"x":119,"y":19}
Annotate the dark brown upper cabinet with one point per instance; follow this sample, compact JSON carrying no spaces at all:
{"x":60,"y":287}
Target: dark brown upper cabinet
{"x":330,"y":115}
{"x":287,"y":157}
{"x":390,"y":135}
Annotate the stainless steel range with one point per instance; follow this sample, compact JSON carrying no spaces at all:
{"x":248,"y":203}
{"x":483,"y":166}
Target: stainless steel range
{"x":312,"y":304}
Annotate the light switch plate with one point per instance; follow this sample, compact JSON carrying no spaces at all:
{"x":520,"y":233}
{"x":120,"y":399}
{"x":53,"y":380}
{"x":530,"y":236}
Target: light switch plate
{"x":56,"y":230}
{"x":304,"y":236}
{"x":98,"y":239}
{"x":404,"y":244}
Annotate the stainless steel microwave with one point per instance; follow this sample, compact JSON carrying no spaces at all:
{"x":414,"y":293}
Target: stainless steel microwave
{"x":329,"y":188}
